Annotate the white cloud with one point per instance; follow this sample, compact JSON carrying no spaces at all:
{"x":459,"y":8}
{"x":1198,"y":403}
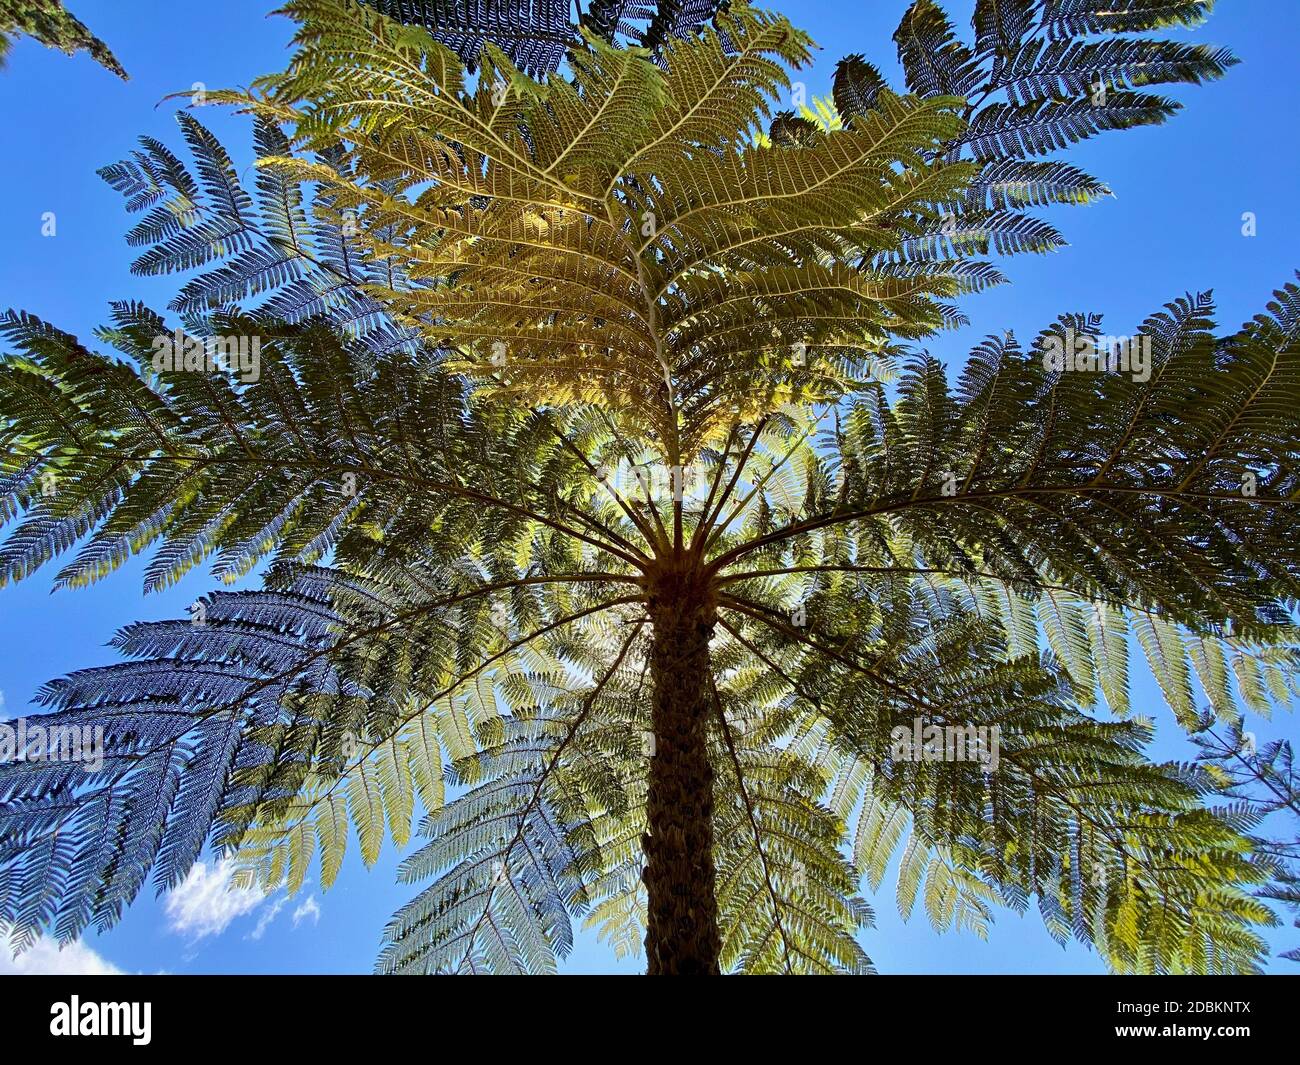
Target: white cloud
{"x":44,"y":958}
{"x":267,"y":916}
{"x":205,"y":903}
{"x":310,"y":908}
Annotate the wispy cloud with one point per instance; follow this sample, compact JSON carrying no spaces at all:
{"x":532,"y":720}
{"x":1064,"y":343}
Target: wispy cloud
{"x":205,"y":902}
{"x":44,"y":958}
{"x":265,"y":918}
{"x":310,"y":908}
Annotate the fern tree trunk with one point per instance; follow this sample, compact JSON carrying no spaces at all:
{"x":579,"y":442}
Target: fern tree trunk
{"x":682,"y":929}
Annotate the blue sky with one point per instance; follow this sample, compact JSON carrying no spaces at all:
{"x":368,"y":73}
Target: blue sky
{"x":1173,"y":225}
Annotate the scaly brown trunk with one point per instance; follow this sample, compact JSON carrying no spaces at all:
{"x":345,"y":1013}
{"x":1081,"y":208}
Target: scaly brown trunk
{"x":682,"y":928}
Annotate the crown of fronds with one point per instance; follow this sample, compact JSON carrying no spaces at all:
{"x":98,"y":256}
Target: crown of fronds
{"x":453,"y":629}
{"x":618,"y":237}
{"x":504,"y":654}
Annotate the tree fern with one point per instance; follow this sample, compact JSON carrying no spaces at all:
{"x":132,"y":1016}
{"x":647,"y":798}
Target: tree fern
{"x":497,"y":336}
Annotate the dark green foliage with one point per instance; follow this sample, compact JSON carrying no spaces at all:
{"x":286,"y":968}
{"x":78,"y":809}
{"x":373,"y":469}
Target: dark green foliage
{"x":50,"y":23}
{"x":300,"y":257}
{"x":1035,"y":81}
{"x":537,"y":34}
